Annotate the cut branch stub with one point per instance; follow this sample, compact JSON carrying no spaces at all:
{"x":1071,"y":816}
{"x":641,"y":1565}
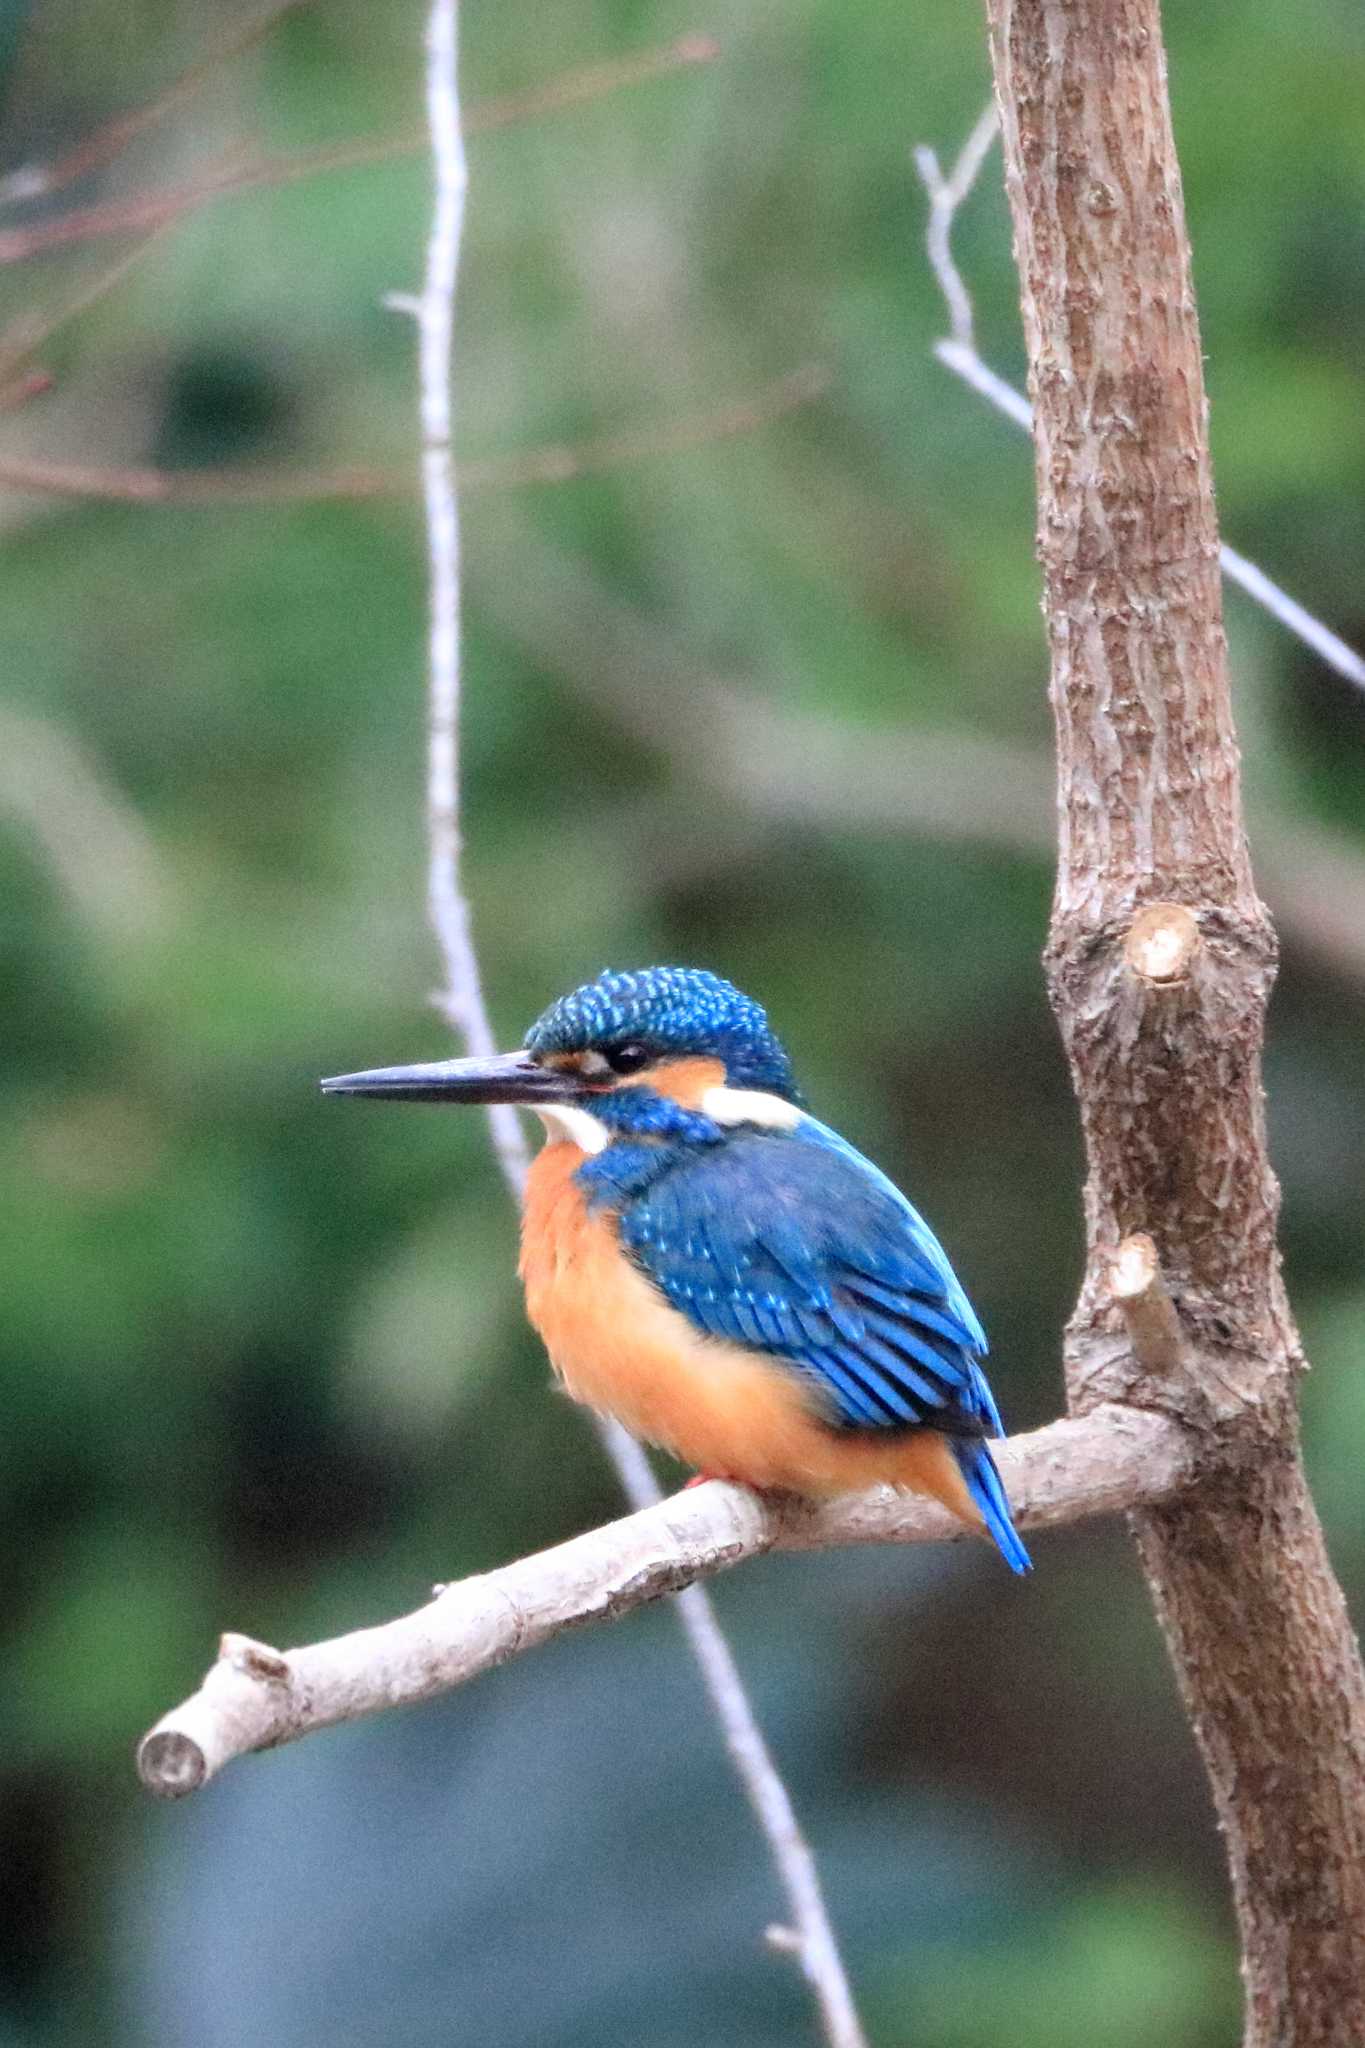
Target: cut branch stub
{"x":1162,"y":941}
{"x":1141,"y":1293}
{"x":1162,"y":1017}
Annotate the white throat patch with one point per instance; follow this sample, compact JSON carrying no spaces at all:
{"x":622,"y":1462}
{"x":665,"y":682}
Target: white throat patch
{"x":567,"y":1125}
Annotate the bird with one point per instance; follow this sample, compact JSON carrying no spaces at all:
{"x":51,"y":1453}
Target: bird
{"x":722,"y":1273}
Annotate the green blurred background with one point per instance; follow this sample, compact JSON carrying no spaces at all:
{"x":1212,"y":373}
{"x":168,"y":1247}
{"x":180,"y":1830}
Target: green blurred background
{"x":770,"y":701}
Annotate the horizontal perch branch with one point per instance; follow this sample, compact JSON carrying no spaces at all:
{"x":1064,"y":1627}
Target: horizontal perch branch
{"x":256,"y":1698}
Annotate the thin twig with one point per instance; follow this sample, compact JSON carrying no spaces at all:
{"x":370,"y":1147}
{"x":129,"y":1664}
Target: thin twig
{"x":462,"y":1001}
{"x":24,"y":336}
{"x":557,"y":462}
{"x":132,"y":484}
{"x":945,"y":196}
{"x":811,"y":1940}
{"x":958,"y":352}
{"x":34,"y":181}
{"x":1110,"y":1459}
{"x":146,"y":210}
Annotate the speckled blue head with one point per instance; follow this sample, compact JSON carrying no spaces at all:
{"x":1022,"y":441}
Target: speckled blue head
{"x":680,"y":1013}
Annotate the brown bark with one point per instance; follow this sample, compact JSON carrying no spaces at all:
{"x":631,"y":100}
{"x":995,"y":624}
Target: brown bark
{"x":1162,"y":1019}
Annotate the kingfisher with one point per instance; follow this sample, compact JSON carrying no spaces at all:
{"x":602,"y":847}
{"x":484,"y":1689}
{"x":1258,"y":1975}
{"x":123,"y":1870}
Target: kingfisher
{"x":722,"y":1273}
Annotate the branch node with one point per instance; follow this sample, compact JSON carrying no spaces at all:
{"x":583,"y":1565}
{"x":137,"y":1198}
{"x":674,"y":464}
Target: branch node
{"x":253,"y":1659}
{"x":785,"y":1940}
{"x":1137,"y":1285}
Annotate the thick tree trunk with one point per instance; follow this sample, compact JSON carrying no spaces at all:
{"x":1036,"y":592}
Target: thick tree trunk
{"x":1159,"y":962}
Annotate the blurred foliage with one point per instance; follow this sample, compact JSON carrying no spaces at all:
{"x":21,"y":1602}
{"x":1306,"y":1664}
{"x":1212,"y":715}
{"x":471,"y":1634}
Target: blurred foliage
{"x":262,"y":1356}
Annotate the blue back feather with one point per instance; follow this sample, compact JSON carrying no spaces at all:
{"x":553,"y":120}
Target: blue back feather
{"x":795,"y":1245}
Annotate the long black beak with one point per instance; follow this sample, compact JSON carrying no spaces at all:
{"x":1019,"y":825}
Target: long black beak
{"x":506,"y":1077}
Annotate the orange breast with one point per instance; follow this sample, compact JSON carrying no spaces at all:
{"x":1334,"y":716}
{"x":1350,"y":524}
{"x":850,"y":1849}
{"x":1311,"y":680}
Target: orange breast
{"x":620,"y":1348}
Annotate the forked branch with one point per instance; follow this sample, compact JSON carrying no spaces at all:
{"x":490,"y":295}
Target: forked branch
{"x":958,"y":352}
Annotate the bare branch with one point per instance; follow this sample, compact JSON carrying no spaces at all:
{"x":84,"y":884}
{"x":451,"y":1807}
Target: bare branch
{"x":34,"y":181}
{"x":958,"y":352}
{"x":31,"y":331}
{"x":1291,"y":614}
{"x":945,"y":197}
{"x":1166,"y":1065}
{"x":463,"y":1004}
{"x":255,"y":1697}
{"x":146,"y":210}
{"x":461,"y":1000}
{"x":557,"y":462}
{"x":135,"y":485}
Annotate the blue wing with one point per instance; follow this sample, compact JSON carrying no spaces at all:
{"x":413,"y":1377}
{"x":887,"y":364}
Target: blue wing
{"x":795,"y":1245}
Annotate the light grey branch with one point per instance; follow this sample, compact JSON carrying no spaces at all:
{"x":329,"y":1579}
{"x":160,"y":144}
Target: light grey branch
{"x":255,"y":1697}
{"x":463,"y":1004}
{"x":945,"y":197}
{"x":461,"y":998}
{"x":958,"y":352}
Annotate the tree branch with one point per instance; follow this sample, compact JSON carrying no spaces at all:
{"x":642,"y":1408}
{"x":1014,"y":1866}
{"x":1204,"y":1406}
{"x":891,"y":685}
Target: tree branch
{"x":256,"y":1698}
{"x":39,"y":181}
{"x":958,"y":352}
{"x":556,"y":462}
{"x":146,"y":210}
{"x":462,"y":1002}
{"x":1160,"y":959}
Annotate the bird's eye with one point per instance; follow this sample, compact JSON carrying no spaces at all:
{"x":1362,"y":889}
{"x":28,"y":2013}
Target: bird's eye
{"x":629,"y":1057}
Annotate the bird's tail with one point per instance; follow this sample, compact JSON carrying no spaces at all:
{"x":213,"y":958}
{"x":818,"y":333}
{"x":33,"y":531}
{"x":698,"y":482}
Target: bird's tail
{"x":987,"y":1489}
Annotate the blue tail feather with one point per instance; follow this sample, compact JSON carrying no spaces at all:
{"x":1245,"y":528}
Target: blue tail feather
{"x":987,"y":1489}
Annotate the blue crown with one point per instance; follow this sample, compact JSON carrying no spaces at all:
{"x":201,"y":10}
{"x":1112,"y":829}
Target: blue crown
{"x":678,"y":1011}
